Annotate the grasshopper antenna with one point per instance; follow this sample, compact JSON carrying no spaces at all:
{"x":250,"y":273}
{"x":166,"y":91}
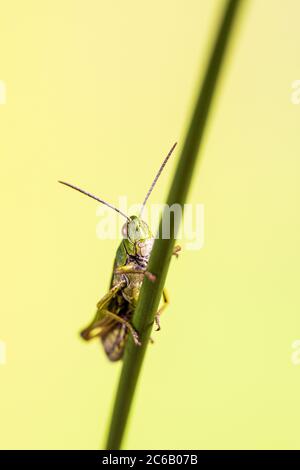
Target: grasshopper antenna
{"x":157,"y":176}
{"x":96,"y":198}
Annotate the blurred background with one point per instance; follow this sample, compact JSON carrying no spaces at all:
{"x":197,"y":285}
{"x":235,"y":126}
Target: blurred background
{"x":96,"y":93}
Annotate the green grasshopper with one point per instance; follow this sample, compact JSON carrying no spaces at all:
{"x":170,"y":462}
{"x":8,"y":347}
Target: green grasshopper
{"x":112,"y":321}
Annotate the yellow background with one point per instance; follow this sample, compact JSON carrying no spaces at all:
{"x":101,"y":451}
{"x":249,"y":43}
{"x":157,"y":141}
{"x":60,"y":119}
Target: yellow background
{"x":96,"y":94}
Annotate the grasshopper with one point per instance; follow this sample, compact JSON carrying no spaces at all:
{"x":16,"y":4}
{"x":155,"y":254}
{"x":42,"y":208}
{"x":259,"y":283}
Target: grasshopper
{"x":112,"y":321}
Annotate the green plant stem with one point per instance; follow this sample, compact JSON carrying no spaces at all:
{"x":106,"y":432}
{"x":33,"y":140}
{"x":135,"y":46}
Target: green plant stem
{"x":162,"y":250}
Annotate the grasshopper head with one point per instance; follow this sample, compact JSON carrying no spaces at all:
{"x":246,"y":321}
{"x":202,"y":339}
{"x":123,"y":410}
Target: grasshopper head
{"x":138,"y":238}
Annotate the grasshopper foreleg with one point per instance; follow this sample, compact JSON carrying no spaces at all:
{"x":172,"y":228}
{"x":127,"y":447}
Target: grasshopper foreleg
{"x":131,"y":269}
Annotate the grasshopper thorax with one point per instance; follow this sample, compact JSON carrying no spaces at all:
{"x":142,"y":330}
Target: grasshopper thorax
{"x":138,"y":239}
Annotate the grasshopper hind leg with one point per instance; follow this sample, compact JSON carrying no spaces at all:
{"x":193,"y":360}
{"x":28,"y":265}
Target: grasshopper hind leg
{"x":99,"y":323}
{"x":112,"y":328}
{"x":126,"y":324}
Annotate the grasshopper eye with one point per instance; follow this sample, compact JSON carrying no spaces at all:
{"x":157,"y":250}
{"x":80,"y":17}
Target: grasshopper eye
{"x":124,"y":231}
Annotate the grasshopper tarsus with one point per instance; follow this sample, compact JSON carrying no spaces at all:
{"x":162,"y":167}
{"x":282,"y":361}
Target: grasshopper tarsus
{"x":157,"y":322}
{"x":150,"y":276}
{"x":136,"y":340}
{"x":176,"y":250}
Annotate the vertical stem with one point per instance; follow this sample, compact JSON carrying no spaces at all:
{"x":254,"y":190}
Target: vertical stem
{"x":162,"y":250}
